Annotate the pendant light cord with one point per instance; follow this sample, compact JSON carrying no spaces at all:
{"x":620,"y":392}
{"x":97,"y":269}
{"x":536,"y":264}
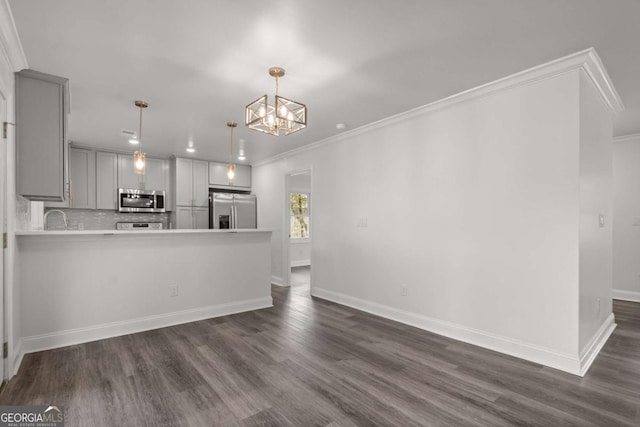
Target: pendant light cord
{"x":231,"y":147}
{"x":140,"y":132}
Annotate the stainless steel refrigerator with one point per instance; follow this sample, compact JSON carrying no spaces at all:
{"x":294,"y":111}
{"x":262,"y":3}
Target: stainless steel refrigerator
{"x":229,"y":210}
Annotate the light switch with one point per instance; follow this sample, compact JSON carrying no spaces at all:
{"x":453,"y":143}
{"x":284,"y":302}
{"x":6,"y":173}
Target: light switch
{"x":601,"y":220}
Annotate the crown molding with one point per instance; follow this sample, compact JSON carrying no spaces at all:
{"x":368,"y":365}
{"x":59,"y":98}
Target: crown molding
{"x":10,"y":45}
{"x":635,"y":137}
{"x":595,"y":70}
{"x":586,"y":60}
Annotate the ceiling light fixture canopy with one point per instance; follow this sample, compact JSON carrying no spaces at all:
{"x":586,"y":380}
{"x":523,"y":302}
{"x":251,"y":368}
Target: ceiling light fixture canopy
{"x":138,"y":156}
{"x":231,"y":168}
{"x":285,"y":114}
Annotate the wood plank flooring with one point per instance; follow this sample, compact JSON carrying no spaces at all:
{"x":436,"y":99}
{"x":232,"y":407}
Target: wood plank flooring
{"x":309,"y":362}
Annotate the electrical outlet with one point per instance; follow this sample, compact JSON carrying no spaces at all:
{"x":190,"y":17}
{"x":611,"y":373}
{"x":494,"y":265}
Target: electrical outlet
{"x":403,"y":290}
{"x":173,"y":291}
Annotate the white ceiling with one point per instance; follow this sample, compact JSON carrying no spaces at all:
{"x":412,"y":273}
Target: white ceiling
{"x":199,"y":62}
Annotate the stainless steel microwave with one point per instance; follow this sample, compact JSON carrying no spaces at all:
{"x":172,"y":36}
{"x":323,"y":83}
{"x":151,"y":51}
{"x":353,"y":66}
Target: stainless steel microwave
{"x":133,"y":200}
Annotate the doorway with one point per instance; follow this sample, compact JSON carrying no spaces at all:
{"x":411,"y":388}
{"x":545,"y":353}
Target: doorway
{"x":298,"y":235}
{"x":4,"y":364}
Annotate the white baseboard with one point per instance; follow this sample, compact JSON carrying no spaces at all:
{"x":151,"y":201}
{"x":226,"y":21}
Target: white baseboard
{"x":523,"y":350}
{"x":301,"y":263}
{"x":596,"y":343}
{"x":276,"y":280}
{"x":18,"y":355}
{"x":626,"y":295}
{"x":114,"y":329}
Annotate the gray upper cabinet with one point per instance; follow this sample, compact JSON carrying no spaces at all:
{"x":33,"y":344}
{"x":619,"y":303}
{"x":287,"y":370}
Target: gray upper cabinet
{"x":201,"y":183}
{"x":243,"y":176}
{"x":82,"y":178}
{"x":192,"y":182}
{"x":127,"y":176}
{"x":154,"y":174}
{"x":153,"y":178}
{"x":184,"y":182}
{"x":191,"y":191}
{"x":106,"y":180}
{"x":218,"y":176}
{"x":42,"y":105}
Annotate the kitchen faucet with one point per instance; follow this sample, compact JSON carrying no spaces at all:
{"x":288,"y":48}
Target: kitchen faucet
{"x":64,"y":218}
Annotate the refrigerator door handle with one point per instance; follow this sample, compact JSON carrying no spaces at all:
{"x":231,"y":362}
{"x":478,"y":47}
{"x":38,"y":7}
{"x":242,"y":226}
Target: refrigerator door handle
{"x":235,"y":216}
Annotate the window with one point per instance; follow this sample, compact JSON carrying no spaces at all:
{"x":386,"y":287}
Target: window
{"x":300,"y":212}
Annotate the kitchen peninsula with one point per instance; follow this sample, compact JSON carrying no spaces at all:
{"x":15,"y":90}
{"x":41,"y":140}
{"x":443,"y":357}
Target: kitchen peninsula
{"x":81,"y":286}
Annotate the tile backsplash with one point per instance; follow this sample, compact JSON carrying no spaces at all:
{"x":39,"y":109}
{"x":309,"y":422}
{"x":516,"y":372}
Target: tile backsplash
{"x":95,"y":219}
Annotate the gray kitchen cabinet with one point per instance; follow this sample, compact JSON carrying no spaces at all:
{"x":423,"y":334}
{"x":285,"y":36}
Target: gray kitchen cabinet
{"x":184,"y":182}
{"x":183,"y":217}
{"x":191,"y":182}
{"x":82,"y":178}
{"x":168,"y":200}
{"x":201,"y":183}
{"x":106,"y":180}
{"x":188,"y":217}
{"x":127,"y":176}
{"x":191,"y":191}
{"x":218,"y":176}
{"x":154,"y":174}
{"x":42,"y":106}
{"x":201,"y":217}
{"x":152,"y":179}
{"x":243,"y":177}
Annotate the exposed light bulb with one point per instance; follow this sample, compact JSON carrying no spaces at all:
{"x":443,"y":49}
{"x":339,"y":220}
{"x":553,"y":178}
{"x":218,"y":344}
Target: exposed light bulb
{"x":231,"y":172}
{"x":138,"y":162}
{"x":283,"y":111}
{"x":262,"y":112}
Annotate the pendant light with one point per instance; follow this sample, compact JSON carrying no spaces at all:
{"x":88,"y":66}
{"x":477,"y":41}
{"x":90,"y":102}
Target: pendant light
{"x":285,"y":114}
{"x":231,"y":168}
{"x":138,"y":156}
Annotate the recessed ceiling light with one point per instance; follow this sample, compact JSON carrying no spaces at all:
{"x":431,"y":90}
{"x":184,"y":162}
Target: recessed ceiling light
{"x":130,"y":135}
{"x":341,"y":126}
{"x":242,"y":158}
{"x":191,"y":150}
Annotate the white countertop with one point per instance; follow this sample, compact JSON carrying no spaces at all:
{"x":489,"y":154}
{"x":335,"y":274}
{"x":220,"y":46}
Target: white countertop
{"x":132,"y":232}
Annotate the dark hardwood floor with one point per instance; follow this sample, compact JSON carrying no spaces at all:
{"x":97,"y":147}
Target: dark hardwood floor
{"x":308,"y":362}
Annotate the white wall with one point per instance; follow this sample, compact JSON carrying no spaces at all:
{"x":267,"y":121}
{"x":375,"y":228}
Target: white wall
{"x":595,"y":199}
{"x":300,"y":253}
{"x":300,"y":249}
{"x":89,"y":287}
{"x":626,"y":218}
{"x":473,"y":205}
